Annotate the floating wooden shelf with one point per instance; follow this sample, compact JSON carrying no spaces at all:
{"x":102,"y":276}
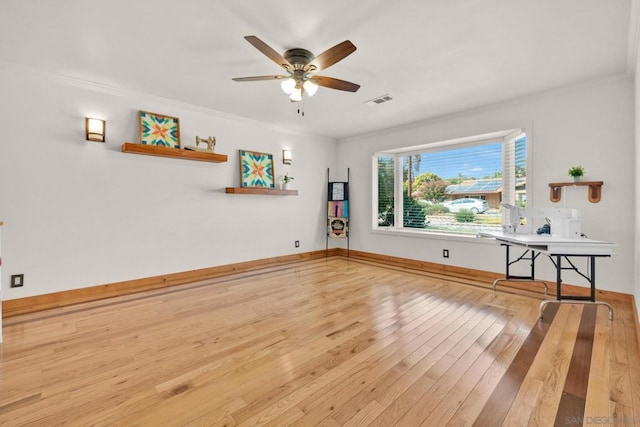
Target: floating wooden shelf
{"x":254,"y":190}
{"x":594,"y":194}
{"x":177,"y":153}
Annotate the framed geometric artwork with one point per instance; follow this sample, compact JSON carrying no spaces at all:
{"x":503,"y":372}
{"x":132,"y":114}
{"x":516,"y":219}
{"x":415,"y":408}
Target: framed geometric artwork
{"x":159,"y":130}
{"x":256,"y":169}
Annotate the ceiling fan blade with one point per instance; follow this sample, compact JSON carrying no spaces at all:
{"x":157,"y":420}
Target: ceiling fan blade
{"x":258,"y":78}
{"x":332,"y":83}
{"x":269,"y":52}
{"x":331,"y":56}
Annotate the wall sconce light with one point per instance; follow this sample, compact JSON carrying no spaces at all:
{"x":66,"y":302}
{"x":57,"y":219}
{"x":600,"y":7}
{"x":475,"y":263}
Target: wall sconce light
{"x":95,"y":129}
{"x":286,"y":157}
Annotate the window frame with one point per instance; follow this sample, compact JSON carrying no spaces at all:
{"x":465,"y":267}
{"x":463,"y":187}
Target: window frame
{"x":399,"y":153}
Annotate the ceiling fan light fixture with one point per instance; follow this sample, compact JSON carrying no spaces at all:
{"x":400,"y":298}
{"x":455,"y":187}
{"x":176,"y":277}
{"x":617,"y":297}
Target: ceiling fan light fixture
{"x":288,"y":85}
{"x":310,"y":87}
{"x":296,"y":95}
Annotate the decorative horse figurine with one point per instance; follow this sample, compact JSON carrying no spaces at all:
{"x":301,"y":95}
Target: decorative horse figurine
{"x":211,"y":142}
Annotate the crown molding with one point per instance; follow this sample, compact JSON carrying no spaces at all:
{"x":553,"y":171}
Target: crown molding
{"x":71,"y":81}
{"x":610,"y":79}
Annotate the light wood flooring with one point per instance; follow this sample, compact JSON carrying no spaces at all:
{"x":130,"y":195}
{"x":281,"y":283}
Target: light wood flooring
{"x":327,"y":342}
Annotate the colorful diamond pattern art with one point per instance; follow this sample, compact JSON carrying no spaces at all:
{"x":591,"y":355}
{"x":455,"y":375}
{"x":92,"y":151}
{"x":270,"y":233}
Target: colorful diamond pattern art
{"x":159,"y":130}
{"x":256,"y":169}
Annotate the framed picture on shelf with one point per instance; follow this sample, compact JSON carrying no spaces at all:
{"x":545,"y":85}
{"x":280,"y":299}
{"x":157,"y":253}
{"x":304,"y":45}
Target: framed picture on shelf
{"x":338,"y":191}
{"x":256,"y":169}
{"x":159,"y":130}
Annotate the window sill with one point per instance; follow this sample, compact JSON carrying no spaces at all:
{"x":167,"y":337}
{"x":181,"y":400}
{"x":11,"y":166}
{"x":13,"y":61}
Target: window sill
{"x":467,"y":238}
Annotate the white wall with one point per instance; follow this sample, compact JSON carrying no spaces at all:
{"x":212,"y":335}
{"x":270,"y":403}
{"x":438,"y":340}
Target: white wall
{"x":637,"y":175}
{"x":80,"y":213}
{"x":591,"y":125}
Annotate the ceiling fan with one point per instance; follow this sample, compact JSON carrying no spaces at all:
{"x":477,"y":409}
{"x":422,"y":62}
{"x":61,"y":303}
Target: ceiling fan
{"x":301,"y":66}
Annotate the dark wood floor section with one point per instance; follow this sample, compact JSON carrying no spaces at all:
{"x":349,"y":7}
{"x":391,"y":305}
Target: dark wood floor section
{"x":330,"y":342}
{"x":574,"y":395}
{"x":498,"y":405}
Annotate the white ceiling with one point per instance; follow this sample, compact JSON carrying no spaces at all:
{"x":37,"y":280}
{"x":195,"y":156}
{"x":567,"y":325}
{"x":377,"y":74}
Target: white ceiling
{"x":433,"y":56}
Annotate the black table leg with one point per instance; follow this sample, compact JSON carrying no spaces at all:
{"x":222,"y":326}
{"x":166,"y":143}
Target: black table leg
{"x":558,"y":277}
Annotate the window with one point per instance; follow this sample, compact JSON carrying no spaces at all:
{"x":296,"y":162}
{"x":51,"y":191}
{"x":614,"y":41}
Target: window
{"x":453,"y":186}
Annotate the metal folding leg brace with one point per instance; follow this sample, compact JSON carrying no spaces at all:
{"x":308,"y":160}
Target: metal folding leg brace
{"x":513,"y":278}
{"x":577,"y":299}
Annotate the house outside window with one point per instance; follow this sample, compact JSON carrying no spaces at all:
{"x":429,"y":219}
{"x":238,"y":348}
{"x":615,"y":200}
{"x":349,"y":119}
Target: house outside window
{"x":451,"y":187}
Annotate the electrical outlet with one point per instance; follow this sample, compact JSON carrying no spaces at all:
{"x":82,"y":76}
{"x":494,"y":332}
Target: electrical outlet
{"x":297,"y":243}
{"x":17,"y":280}
{"x":445,"y":253}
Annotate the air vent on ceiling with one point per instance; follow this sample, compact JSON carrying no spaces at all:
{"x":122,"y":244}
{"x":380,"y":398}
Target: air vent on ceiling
{"x":379,"y":100}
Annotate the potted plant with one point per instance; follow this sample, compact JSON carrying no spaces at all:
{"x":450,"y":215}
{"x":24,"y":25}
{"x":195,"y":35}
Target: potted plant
{"x":576,"y":172}
{"x":285,"y":181}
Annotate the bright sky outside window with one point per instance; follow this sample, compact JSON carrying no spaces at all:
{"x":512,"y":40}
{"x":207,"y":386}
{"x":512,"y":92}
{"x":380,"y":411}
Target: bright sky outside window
{"x":452,"y":187}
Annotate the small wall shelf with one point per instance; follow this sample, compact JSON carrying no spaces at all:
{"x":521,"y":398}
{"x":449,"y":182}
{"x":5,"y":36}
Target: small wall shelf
{"x":267,"y":191}
{"x":594,"y":194}
{"x":177,"y":153}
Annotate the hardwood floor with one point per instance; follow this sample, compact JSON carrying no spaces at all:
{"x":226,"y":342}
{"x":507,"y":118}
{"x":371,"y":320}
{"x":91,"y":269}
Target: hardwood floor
{"x":327,"y":342}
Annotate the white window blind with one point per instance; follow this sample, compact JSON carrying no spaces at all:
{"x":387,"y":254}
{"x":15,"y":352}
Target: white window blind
{"x":452,"y":188}
{"x":386,"y":191}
